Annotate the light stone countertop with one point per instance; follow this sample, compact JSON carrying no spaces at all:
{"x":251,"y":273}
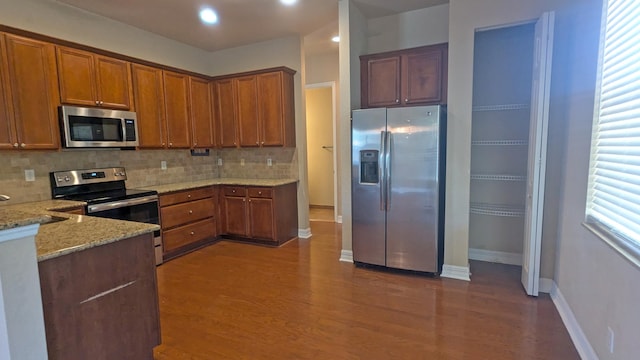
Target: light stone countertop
{"x":68,"y":233}
{"x":163,"y":189}
{"x":62,"y":233}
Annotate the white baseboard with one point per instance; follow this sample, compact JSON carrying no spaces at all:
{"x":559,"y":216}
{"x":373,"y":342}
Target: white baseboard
{"x":304,"y":233}
{"x":499,"y":257}
{"x":339,"y":220}
{"x":346,"y":256}
{"x":571,"y":323}
{"x":456,"y":272}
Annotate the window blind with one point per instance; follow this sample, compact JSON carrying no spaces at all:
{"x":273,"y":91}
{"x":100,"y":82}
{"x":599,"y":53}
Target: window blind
{"x":613,"y":199}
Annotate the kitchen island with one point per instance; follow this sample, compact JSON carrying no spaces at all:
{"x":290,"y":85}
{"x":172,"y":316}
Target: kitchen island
{"x":97,"y":281}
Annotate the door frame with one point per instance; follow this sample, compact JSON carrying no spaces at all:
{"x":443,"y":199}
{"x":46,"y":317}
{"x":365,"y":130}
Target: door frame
{"x":332,"y":85}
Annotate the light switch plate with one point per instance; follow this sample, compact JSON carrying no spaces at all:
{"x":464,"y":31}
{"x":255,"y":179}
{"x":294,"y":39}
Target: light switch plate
{"x":219,"y":161}
{"x":163,"y":165}
{"x":269,"y":162}
{"x":241,"y":162}
{"x":29,"y":175}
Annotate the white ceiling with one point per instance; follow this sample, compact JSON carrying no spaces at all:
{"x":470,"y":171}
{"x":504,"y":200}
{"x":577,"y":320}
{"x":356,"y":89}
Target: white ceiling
{"x":241,"y":22}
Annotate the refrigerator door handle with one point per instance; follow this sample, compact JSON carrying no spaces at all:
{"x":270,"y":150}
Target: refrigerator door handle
{"x":387,"y":171}
{"x":381,"y":171}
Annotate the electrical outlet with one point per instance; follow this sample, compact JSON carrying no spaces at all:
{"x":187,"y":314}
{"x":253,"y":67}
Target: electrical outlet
{"x":163,"y":165}
{"x":219,"y":161}
{"x":29,"y":175}
{"x":269,"y":162}
{"x":610,"y":339}
{"x":241,"y":162}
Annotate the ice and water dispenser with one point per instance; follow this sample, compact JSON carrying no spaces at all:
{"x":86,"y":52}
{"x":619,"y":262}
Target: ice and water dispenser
{"x":369,"y":167}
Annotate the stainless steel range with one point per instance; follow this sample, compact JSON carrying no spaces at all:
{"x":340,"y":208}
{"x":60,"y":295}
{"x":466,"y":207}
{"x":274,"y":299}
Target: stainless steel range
{"x":106,"y":196}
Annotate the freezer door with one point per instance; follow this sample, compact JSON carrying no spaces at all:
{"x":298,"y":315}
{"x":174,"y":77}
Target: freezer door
{"x":412,"y":205}
{"x":367,"y":190}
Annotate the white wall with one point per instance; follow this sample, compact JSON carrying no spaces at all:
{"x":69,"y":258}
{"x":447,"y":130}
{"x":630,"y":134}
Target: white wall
{"x":65,"y":22}
{"x":601,"y":287}
{"x":411,"y":29}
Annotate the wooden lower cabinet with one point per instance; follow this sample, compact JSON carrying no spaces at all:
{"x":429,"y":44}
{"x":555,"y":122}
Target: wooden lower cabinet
{"x":189,"y":220}
{"x":102,"y":302}
{"x":261,"y":214}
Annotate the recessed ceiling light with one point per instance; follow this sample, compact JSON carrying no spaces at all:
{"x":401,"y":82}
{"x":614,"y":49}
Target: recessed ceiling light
{"x":288,"y":2}
{"x":335,"y":38}
{"x":208,"y":16}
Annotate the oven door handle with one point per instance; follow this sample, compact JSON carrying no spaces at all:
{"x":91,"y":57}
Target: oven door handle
{"x":120,"y":204}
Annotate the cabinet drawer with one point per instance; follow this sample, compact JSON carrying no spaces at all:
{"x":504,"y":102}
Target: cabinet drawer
{"x":260,"y":193}
{"x":235,"y":191}
{"x":184,"y":235}
{"x":184,"y":196}
{"x":187,"y":212}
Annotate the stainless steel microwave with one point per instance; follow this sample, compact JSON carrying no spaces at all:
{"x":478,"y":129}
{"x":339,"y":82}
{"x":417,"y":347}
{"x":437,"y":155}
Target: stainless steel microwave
{"x":97,"y":128}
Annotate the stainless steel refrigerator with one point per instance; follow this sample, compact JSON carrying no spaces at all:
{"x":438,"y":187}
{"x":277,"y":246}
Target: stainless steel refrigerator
{"x":398,"y":167}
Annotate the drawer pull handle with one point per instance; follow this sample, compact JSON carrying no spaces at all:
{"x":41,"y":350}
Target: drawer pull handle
{"x":259,"y":192}
{"x":189,"y":196}
{"x":233,"y":190}
{"x":193,"y":233}
{"x":190,"y":211}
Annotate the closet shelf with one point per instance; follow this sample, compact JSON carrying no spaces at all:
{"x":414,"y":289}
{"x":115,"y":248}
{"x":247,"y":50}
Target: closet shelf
{"x":497,"y":177}
{"x":499,"y":142}
{"x":496,"y":210}
{"x":502,"y":107}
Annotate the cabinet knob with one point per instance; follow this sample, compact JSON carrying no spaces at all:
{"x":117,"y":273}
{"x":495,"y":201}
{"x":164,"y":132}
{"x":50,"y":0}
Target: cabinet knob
{"x":190,"y":211}
{"x":97,"y":102}
{"x":193,"y":233}
{"x":259,"y":192}
{"x":233,"y":190}
{"x":23,"y":145}
{"x":15,"y":145}
{"x":257,"y":143}
{"x":170,"y":144}
{"x":189,"y":196}
{"x":163,"y":144}
{"x":397,"y":101}
{"x":101,"y":102}
{"x":263,"y":143}
{"x":406,"y":100}
{"x":243,"y":200}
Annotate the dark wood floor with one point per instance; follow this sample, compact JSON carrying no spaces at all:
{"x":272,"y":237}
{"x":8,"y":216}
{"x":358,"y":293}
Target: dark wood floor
{"x":239,"y":301}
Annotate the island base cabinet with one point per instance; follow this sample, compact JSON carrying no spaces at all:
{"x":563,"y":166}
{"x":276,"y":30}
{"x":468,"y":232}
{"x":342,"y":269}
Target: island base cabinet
{"x":102,"y":303}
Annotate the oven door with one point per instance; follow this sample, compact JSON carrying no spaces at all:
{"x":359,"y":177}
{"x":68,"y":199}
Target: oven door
{"x":143,"y":209}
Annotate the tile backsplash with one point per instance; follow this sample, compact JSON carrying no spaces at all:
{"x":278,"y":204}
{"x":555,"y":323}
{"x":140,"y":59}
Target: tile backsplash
{"x":143,"y":167}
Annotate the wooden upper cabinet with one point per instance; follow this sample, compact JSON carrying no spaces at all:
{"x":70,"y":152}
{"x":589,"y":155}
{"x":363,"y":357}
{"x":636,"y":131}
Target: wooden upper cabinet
{"x":256,"y":109}
{"x":247,"y":102}
{"x":225,"y":112}
{"x":148,"y":93}
{"x":202,"y":124}
{"x":32,"y":83}
{"x":176,"y":90}
{"x":383,"y":87}
{"x":405,"y":78}
{"x":8,"y":135}
{"x":93,"y":80}
{"x":276,"y":109}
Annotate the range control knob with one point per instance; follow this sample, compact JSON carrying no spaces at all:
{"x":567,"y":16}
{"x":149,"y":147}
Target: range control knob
{"x":67,"y":179}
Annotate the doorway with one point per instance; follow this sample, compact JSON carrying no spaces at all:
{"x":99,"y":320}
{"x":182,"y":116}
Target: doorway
{"x":321,"y":155}
{"x":508,"y":157}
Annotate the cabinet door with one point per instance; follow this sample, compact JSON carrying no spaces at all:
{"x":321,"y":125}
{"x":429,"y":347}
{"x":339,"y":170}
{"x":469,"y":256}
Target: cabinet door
{"x":177,"y":111}
{"x":76,"y":76}
{"x":247,"y":101}
{"x":8,"y":138}
{"x":383,"y":82}
{"x":149,"y":99}
{"x":225,"y":111}
{"x":422,"y":75}
{"x":201,"y":113}
{"x":270,"y":109}
{"x":235,"y":215}
{"x":261,"y":219}
{"x":34,"y":92}
{"x":113,"y":84}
